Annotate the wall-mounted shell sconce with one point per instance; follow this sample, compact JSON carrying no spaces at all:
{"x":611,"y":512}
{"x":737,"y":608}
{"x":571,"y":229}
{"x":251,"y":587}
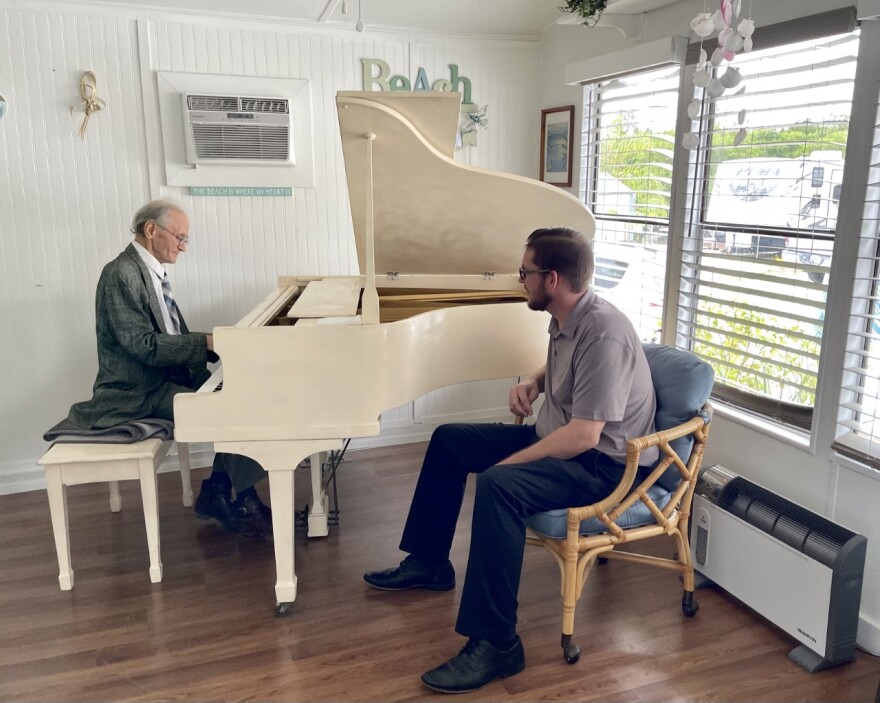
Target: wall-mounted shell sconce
{"x":88,"y":89}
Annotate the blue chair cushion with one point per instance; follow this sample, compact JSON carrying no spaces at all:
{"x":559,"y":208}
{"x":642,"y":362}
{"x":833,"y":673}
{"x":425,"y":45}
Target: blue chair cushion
{"x":553,"y":523}
{"x":682,"y":384}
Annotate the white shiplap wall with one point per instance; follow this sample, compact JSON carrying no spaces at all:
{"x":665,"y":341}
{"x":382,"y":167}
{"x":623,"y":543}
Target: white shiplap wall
{"x":66,"y":204}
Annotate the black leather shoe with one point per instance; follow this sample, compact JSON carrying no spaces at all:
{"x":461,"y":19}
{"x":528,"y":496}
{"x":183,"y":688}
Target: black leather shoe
{"x":253,"y":518}
{"x":413,"y":573}
{"x":477,"y":664}
{"x":213,"y":503}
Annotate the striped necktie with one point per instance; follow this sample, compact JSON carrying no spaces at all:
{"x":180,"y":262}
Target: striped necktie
{"x":171,"y":305}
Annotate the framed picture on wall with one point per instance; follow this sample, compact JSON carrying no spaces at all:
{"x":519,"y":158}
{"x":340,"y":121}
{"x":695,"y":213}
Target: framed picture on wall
{"x":557,"y":130}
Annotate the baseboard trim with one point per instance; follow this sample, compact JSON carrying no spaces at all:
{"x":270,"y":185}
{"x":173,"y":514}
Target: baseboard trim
{"x":24,"y":476}
{"x":29,"y":477}
{"x":868,"y":636}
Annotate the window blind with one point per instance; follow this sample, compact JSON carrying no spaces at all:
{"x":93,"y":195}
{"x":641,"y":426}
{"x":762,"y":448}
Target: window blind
{"x":760,"y":222}
{"x":626,"y":178}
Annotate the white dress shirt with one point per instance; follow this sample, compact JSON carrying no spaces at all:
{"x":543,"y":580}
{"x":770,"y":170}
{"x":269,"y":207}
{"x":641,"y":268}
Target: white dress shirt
{"x":158,"y":271}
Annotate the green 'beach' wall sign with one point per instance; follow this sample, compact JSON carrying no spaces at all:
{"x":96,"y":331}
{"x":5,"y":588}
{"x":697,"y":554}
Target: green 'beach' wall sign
{"x":383,"y":79}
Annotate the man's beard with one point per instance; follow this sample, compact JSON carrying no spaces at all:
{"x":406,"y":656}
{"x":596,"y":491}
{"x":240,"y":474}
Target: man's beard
{"x":539,"y":300}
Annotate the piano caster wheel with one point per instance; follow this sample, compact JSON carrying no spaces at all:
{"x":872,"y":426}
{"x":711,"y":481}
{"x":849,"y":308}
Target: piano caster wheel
{"x":282,"y":609}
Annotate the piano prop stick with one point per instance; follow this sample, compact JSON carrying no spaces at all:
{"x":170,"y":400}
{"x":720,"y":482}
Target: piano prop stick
{"x":370,"y":300}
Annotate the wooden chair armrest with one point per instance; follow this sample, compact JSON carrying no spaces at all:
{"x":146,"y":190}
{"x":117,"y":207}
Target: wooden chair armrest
{"x":634,"y":449}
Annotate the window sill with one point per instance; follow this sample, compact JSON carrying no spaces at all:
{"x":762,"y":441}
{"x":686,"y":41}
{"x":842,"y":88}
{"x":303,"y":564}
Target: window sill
{"x":850,"y":464}
{"x":800,"y":439}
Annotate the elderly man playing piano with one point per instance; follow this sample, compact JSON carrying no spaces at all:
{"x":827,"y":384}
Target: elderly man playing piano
{"x":146,"y":355}
{"x":598,"y":392}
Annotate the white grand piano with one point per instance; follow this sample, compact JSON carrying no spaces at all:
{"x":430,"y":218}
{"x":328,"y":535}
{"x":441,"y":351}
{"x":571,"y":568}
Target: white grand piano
{"x":439,"y":303}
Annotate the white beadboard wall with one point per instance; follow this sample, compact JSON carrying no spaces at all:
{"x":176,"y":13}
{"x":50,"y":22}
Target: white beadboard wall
{"x":66,"y":203}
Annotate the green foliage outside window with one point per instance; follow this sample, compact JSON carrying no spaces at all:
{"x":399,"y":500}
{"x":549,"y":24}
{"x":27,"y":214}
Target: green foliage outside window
{"x":750,"y":357}
{"x":642,"y":159}
{"x":788,"y":142}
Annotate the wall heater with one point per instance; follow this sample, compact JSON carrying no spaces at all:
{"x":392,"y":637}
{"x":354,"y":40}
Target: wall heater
{"x":796,"y":568}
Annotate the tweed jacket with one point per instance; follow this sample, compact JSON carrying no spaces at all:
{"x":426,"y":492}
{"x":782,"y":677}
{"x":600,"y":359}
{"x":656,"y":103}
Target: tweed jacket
{"x":137,"y":359}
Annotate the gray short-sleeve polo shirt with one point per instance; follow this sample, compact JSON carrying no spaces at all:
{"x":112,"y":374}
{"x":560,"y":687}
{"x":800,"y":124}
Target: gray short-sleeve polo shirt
{"x":597,"y":370}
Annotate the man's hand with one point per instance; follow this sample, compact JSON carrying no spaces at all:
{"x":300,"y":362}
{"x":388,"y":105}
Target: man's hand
{"x":521,"y":397}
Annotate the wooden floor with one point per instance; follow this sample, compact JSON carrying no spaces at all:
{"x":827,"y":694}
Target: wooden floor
{"x":207,"y":632}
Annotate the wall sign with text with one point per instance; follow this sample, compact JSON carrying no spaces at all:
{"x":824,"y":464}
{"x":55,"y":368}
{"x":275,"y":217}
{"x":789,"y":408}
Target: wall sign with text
{"x":252,"y":191}
{"x":377,"y":76}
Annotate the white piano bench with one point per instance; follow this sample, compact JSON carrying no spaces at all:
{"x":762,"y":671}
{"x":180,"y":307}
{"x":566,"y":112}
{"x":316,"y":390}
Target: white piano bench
{"x":74,"y":464}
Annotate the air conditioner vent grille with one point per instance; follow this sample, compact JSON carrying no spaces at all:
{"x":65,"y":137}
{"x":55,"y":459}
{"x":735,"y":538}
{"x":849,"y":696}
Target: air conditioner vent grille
{"x":248,"y":142}
{"x":275,"y":105}
{"x":212,"y":103}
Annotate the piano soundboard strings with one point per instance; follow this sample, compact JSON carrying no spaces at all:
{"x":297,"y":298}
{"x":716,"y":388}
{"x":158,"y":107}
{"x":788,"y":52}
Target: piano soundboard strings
{"x":399,"y":305}
{"x":402,"y":303}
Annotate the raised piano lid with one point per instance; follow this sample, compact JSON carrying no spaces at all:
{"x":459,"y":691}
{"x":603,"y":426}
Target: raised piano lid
{"x":432,"y":215}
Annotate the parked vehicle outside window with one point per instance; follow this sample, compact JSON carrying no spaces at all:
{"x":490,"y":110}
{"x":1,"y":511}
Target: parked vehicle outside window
{"x":631,"y":277}
{"x":798,"y":194}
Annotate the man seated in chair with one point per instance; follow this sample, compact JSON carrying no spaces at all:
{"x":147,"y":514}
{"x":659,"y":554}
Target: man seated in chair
{"x":147,"y":355}
{"x":598,"y":392}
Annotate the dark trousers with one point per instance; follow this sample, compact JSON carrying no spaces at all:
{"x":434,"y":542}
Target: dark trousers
{"x":243,"y":471}
{"x":506,"y":495}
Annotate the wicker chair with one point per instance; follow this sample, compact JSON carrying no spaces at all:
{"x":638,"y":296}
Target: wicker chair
{"x":660,"y":503}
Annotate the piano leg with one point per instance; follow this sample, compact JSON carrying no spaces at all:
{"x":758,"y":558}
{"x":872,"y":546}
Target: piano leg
{"x":319,"y":508}
{"x":280,"y":459}
{"x":281,"y":490}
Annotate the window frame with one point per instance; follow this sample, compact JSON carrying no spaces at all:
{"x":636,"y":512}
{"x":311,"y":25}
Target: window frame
{"x":851,"y":290}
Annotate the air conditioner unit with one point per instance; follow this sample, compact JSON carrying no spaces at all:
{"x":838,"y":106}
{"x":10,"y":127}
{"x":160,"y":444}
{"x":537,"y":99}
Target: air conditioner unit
{"x":798,"y":569}
{"x":224,"y":129}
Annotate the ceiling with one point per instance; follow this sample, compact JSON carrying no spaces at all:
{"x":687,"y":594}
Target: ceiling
{"x":503,"y":17}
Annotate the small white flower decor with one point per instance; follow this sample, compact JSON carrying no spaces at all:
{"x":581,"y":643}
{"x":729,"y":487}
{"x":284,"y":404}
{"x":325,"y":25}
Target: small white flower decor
{"x":734,"y":35}
{"x":470,"y":122}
